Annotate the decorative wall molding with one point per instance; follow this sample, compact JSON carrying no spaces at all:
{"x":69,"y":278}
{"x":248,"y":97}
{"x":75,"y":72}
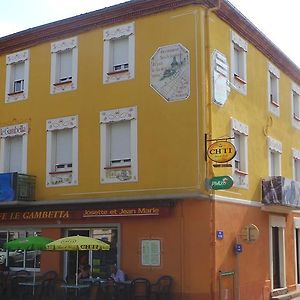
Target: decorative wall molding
{"x":118,"y":31}
{"x":116,"y":115}
{"x":274,"y":145}
{"x":240,"y":127}
{"x":17,"y":57}
{"x":64,"y":45}
{"x":13,"y":130}
{"x":62,"y":123}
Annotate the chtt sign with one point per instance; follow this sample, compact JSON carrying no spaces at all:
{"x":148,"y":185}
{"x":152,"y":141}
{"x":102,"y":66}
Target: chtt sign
{"x":221,"y":151}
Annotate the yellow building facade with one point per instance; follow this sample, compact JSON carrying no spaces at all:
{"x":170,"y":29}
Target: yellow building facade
{"x":113,"y":112}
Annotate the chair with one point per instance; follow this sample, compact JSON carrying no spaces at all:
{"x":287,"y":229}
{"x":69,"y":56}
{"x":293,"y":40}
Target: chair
{"x":47,"y":287}
{"x":161,"y":289}
{"x":15,"y":290}
{"x":111,"y":292}
{"x":140,"y":289}
{"x":60,"y":292}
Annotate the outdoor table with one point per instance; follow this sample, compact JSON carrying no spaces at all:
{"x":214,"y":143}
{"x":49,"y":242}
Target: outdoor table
{"x":75,"y":287}
{"x":30,"y":284}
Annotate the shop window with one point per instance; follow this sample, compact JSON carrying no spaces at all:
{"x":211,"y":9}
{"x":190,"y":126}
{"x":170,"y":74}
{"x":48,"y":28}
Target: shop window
{"x":240,"y":161}
{"x":119,"y":52}
{"x":17,"y":76}
{"x":100,"y":261}
{"x":64,"y":56}
{"x":118,"y":131}
{"x":296,"y":106}
{"x":277,"y":252}
{"x":239,"y":48}
{"x":150,"y":253}
{"x":62,"y":151}
{"x":296,"y":164}
{"x":273,"y":89}
{"x":275,"y":150}
{"x":17,"y":260}
{"x":13,"y":157}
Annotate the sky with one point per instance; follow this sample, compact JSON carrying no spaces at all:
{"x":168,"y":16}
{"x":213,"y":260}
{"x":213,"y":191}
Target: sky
{"x":277,"y":21}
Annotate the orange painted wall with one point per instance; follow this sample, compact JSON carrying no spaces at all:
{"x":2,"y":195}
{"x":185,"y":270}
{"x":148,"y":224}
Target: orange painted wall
{"x":51,"y":260}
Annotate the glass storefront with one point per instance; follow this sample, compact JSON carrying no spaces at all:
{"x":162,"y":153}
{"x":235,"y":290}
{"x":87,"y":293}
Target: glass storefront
{"x":100,"y":261}
{"x":18,"y":259}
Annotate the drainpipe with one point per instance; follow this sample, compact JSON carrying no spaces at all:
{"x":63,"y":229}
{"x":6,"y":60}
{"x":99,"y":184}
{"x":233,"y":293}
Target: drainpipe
{"x":208,"y":130}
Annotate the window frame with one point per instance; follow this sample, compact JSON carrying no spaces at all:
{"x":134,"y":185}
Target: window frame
{"x":278,"y":221}
{"x":110,"y":35}
{"x":57,"y":48}
{"x":239,"y":81}
{"x":274,"y":147}
{"x":296,"y":164}
{"x":273,"y":78}
{"x":295,"y":118}
{"x":10,"y":132}
{"x":21,"y":57}
{"x":240,"y":175}
{"x":121,"y":173}
{"x":68,"y":176}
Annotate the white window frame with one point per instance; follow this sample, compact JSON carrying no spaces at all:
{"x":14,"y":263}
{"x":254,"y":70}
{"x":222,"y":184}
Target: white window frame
{"x":278,"y":221}
{"x":273,"y":100}
{"x":109,"y":35}
{"x":239,"y":81}
{"x":70,"y":176}
{"x":295,"y":117}
{"x":12,"y":131}
{"x":297,"y":226}
{"x":127,"y":173}
{"x":151,"y":253}
{"x":240,"y":176}
{"x":274,"y":147}
{"x":21,"y":57}
{"x":58,"y":47}
{"x":296,"y":164}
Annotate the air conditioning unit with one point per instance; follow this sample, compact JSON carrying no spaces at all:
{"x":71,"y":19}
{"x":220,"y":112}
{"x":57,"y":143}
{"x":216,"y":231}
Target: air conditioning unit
{"x":63,"y":167}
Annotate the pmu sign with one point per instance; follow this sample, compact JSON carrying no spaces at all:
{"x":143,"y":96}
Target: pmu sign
{"x":221,"y":151}
{"x":221,"y":183}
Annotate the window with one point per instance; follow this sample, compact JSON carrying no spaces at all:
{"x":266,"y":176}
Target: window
{"x":240,"y":166}
{"x":296,"y":164}
{"x":17,"y":76}
{"x":118,"y":52}
{"x":150,"y":253}
{"x":296,"y":106}
{"x":14,"y":148}
{"x":100,"y":261}
{"x":118,"y":134}
{"x":64,"y":56}
{"x":275,"y":150}
{"x":62,"y":151}
{"x":277,"y":253}
{"x":273,"y":84}
{"x":18,"y":260}
{"x":239,"y":48}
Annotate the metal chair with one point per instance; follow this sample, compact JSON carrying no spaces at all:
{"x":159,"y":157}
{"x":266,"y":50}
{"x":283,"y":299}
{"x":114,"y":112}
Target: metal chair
{"x":140,"y":289}
{"x":162,"y":288}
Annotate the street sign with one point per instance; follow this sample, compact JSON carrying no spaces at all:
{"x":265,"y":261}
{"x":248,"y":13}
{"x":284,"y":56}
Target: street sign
{"x":221,"y":183}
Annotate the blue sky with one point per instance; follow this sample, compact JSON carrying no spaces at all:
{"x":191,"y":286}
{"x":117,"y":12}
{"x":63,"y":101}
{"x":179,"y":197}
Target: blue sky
{"x":277,"y":21}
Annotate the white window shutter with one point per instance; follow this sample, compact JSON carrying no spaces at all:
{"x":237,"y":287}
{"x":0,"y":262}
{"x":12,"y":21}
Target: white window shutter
{"x":13,"y":155}
{"x":120,"y":141}
{"x":63,"y":149}
{"x":65,"y":66}
{"x":120,"y":51}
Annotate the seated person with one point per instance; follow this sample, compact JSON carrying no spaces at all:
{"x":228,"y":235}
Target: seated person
{"x":85,"y":272}
{"x":117,"y":274}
